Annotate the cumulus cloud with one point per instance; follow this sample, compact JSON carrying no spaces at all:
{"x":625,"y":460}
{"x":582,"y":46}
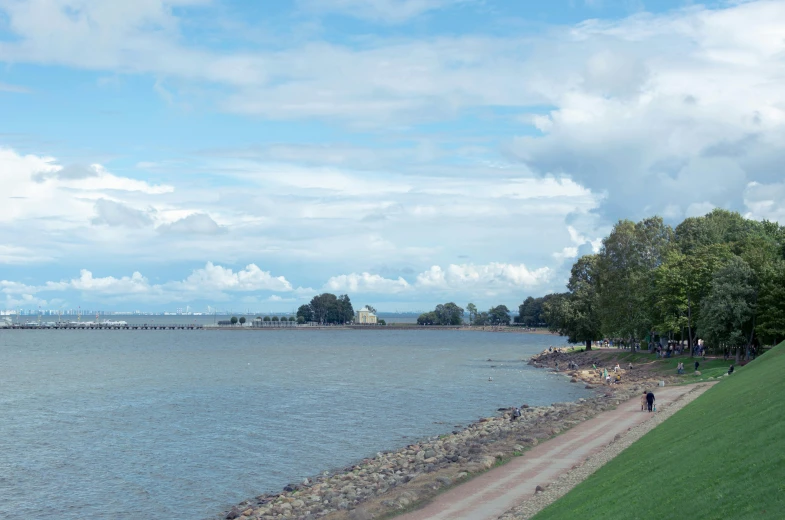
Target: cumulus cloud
{"x":217,"y":278}
{"x":765,"y":201}
{"x":481,"y":280}
{"x":366,"y":283}
{"x":113,"y":213}
{"x":212,"y":281}
{"x":195,"y":224}
{"x":669,"y":110}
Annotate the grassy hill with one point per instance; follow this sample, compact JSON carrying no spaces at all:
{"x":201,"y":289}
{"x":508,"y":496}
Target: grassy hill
{"x":721,"y":456}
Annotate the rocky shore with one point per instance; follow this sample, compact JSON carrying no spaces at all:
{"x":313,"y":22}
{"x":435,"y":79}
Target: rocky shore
{"x":396,"y":481}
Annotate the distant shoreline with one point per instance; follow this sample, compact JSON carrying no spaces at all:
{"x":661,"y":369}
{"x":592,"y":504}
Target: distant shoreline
{"x":392,"y":327}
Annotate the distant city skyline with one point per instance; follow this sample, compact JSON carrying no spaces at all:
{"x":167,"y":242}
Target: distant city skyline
{"x":167,"y":153}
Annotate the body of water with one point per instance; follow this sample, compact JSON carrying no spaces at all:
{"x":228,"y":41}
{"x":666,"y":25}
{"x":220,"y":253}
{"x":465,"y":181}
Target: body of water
{"x":142,"y":424}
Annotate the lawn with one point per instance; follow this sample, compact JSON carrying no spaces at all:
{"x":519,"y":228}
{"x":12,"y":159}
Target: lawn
{"x":720,"y":457}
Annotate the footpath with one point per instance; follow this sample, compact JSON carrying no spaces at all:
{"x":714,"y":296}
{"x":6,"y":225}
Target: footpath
{"x":492,"y":494}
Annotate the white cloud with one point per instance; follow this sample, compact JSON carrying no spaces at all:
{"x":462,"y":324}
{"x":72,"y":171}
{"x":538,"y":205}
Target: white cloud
{"x":211,"y":282}
{"x":666,"y":111}
{"x":765,"y":201}
{"x":388,"y":11}
{"x":196,"y":223}
{"x":217,"y":278}
{"x":113,"y":213}
{"x":365,"y":283}
{"x":479,"y":280}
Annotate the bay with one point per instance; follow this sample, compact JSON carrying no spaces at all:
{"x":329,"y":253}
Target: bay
{"x":135,"y":424}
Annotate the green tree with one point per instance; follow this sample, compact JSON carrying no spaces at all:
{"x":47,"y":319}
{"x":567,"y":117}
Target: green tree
{"x":499,"y":315}
{"x":381,"y":322}
{"x":625,"y":275}
{"x":472,"y":310}
{"x":292,"y":319}
{"x":530,"y":312}
{"x":427,"y":318}
{"x":448,"y":314}
{"x":482,"y":319}
{"x":242,"y":320}
{"x":300,"y":320}
{"x":575,"y":314}
{"x":771,"y":304}
{"x":234,"y":320}
{"x":267,"y":319}
{"x":305,"y":312}
{"x":727,"y":315}
{"x":275,"y":318}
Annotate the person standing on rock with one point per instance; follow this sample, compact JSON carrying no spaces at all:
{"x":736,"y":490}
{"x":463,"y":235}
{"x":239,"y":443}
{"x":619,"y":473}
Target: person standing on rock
{"x":650,"y":400}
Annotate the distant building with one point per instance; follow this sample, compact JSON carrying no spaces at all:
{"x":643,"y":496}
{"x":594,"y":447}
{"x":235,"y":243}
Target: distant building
{"x":365,"y":317}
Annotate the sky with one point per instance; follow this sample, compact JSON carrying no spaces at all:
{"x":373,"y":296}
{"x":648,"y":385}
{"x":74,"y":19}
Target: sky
{"x":249,"y":155}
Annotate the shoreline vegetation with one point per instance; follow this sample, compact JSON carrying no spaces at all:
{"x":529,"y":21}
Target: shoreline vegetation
{"x":394,"y":482}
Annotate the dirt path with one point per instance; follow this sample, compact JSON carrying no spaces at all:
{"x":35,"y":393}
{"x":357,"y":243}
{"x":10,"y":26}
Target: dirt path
{"x":495,"y":492}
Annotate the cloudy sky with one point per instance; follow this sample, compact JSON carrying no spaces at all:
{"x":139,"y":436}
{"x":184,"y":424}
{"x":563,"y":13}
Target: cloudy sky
{"x":238,"y":154}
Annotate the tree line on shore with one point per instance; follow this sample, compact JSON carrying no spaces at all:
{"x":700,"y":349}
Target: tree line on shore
{"x":720,"y":277}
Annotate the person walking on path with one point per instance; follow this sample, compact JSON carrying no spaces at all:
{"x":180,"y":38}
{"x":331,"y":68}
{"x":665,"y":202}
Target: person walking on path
{"x":697,"y":365}
{"x":680,"y":368}
{"x":650,"y":400}
{"x":643,"y":401}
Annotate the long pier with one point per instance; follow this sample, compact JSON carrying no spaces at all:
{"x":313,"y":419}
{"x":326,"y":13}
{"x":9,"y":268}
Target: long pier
{"x":103,"y":326}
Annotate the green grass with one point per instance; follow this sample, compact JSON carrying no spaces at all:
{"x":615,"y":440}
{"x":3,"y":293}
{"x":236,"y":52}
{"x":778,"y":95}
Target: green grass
{"x":720,"y":457}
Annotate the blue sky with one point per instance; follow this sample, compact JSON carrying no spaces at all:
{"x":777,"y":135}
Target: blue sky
{"x":160,"y":153}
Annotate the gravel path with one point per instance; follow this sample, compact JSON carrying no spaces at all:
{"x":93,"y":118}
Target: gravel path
{"x":564,"y":483}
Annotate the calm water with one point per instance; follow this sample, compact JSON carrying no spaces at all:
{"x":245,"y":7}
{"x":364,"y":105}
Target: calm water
{"x":137,"y":424}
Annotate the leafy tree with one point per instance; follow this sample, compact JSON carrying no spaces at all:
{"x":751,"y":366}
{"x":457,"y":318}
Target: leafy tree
{"x":328,"y":308}
{"x":305,"y":312}
{"x":427,"y":318}
{"x":482,"y":319}
{"x":530,"y":311}
{"x":267,"y":318}
{"x":300,"y":320}
{"x":575,"y":314}
{"x":729,"y":308}
{"x":292,"y":319}
{"x":771,"y":304}
{"x":624,"y":272}
{"x":448,"y":314}
{"x":242,"y":320}
{"x":381,"y":322}
{"x":472,"y":310}
{"x":234,"y":320}
{"x":275,"y":318}
{"x":499,"y":315}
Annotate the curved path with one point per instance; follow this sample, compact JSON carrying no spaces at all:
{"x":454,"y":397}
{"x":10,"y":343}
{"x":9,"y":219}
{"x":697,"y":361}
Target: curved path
{"x":491,"y":494}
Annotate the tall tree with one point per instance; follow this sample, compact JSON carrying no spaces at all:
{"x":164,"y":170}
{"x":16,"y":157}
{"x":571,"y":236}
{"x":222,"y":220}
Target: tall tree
{"x":728,"y":311}
{"x":771,"y":304}
{"x":472,"y":310}
{"x":625,"y":272}
{"x":575,"y":314}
